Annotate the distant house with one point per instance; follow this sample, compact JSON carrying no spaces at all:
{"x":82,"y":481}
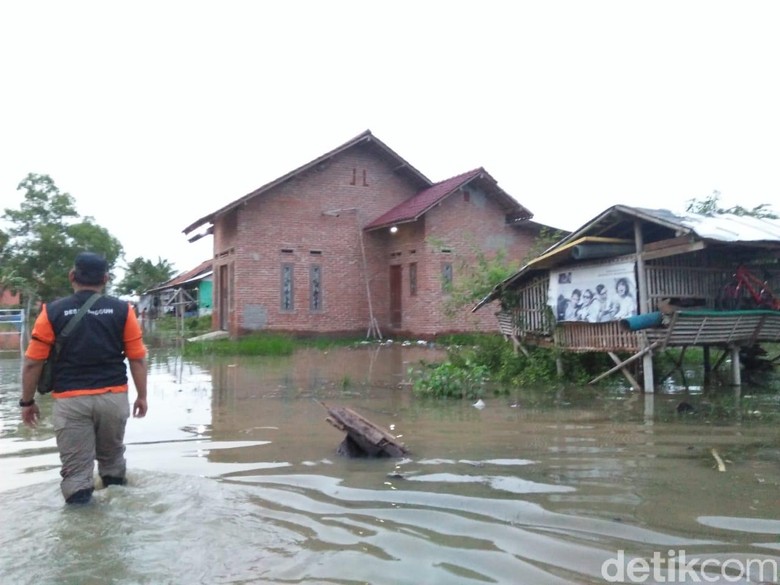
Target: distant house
{"x":11,"y":320}
{"x":639,"y":281}
{"x":188,"y":294}
{"x":9,"y":298}
{"x":357,"y":240}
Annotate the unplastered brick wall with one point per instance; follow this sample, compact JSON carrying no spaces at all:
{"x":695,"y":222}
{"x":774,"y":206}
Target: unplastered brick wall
{"x":314,"y":219}
{"x":455,"y":231}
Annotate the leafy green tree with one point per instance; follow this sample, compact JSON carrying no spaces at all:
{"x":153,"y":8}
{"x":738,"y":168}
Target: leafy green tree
{"x":710,"y":206}
{"x":142,"y":274}
{"x":45,"y":235}
{"x":478,"y":275}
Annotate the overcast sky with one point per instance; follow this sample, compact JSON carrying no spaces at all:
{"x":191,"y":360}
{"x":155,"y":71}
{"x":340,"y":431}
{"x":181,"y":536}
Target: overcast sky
{"x":152,"y":114}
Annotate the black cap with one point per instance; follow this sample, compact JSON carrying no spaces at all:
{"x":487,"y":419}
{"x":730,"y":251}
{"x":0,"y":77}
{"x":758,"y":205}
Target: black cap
{"x":90,"y":268}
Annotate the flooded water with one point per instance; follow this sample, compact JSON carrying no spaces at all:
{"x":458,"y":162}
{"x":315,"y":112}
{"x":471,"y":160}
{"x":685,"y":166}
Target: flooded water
{"x":234,"y":478}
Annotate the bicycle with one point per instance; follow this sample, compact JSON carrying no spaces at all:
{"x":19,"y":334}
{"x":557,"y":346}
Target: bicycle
{"x":746,"y":291}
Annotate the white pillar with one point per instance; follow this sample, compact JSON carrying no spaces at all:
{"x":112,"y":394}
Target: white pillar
{"x":647,"y":370}
{"x":736,"y":374}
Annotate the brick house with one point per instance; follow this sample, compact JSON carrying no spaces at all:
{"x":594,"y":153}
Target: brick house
{"x":11,"y":320}
{"x":357,"y":240}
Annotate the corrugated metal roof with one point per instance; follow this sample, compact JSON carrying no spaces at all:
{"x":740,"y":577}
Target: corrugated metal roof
{"x":725,"y":228}
{"x":201,"y":271}
{"x":728,"y":227}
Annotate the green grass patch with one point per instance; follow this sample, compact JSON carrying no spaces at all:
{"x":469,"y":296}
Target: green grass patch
{"x":250,"y":345}
{"x":265,"y":344}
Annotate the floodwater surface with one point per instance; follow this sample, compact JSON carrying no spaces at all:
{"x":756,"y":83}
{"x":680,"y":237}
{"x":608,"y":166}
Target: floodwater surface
{"x":234,"y":478}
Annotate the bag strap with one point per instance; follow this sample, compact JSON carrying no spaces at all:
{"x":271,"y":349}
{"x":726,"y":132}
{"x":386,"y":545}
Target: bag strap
{"x":75,"y":321}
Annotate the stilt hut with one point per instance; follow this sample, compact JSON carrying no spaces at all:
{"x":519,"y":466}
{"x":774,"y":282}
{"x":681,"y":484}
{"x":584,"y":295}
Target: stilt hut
{"x":634,"y":282}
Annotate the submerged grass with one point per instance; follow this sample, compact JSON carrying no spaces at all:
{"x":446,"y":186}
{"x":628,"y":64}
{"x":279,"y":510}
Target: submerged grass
{"x":251,"y":345}
{"x":265,"y":344}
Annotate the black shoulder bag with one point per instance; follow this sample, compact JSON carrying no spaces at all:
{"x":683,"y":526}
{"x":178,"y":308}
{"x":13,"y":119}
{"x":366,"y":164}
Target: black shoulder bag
{"x":46,"y":381}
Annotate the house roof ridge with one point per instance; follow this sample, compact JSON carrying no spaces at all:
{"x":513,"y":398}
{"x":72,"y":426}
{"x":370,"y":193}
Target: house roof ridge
{"x":464,"y":174}
{"x":365,"y":136}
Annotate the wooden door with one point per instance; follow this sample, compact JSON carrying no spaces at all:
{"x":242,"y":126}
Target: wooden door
{"x":395,"y":296}
{"x":224,"y":287}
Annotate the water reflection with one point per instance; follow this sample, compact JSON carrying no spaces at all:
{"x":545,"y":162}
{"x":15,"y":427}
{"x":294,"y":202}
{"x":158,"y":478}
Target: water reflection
{"x":234,"y":479}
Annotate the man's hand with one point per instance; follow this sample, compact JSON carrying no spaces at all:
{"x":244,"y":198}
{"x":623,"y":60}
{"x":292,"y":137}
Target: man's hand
{"x":30,"y":415}
{"x":139,"y":408}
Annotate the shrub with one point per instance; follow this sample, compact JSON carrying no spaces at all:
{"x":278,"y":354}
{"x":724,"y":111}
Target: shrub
{"x":449,"y":380}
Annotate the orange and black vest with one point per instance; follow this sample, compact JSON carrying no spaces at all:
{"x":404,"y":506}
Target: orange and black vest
{"x":92,"y":355}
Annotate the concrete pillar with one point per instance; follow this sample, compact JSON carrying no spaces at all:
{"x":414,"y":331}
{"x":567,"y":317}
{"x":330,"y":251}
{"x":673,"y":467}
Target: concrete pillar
{"x":736,"y":374}
{"x":647,"y":370}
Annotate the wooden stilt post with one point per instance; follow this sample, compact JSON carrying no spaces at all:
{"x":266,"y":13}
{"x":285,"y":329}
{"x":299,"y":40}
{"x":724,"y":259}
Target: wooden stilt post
{"x":736,"y":375}
{"x":631,"y":380}
{"x":647,"y":371}
{"x":625,"y":362}
{"x":643,"y":303}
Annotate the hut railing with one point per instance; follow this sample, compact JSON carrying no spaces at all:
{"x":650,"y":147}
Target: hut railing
{"x":585,"y":337}
{"x":528,"y":311}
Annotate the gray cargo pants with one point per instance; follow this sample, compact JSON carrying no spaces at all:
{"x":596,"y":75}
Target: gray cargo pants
{"x":88,"y":428}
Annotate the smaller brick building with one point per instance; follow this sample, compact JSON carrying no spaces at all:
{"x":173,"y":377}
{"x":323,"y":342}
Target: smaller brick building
{"x":357,"y":240}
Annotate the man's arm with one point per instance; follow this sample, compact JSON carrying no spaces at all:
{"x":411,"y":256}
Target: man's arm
{"x":31,"y":372}
{"x":135,"y":350}
{"x":34,"y":358}
{"x":138,"y":372}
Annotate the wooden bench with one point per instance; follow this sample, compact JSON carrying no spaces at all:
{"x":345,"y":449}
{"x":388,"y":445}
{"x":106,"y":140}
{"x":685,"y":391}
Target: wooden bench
{"x":721,"y":328}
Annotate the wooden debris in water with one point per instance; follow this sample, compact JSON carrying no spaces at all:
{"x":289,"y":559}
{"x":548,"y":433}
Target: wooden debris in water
{"x":718,"y":460}
{"x":364,"y":438}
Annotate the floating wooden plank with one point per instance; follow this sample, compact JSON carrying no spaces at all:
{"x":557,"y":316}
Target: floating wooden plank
{"x":364,"y":438}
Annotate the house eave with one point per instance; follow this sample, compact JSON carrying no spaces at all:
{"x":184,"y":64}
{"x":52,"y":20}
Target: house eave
{"x":364,"y":138}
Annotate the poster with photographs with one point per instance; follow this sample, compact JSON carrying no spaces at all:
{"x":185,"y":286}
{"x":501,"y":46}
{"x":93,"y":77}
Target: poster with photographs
{"x":594,"y":294}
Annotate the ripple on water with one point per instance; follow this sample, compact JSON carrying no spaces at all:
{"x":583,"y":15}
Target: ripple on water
{"x":168,"y":528}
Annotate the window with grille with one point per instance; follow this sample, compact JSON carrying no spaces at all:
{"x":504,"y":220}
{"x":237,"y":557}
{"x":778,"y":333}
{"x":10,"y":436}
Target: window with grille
{"x":315,"y":287}
{"x":446,"y":277}
{"x":288,"y":299}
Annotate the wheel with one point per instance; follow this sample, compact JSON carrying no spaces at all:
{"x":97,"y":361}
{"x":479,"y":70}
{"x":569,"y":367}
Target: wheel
{"x":728,"y":298}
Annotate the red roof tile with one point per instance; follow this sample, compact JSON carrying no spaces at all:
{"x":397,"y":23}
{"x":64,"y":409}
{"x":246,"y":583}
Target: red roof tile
{"x":415,"y":207}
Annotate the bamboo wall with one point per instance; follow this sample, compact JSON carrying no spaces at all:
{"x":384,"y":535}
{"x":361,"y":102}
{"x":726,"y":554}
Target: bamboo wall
{"x":699,"y":276}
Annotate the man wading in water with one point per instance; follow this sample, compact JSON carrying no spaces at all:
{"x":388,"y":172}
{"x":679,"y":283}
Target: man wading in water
{"x":91,"y":406}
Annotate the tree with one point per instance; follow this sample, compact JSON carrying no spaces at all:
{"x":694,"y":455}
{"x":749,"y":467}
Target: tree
{"x":710,"y":206}
{"x":479,"y":274}
{"x":45,"y":235}
{"x":142,"y":274}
